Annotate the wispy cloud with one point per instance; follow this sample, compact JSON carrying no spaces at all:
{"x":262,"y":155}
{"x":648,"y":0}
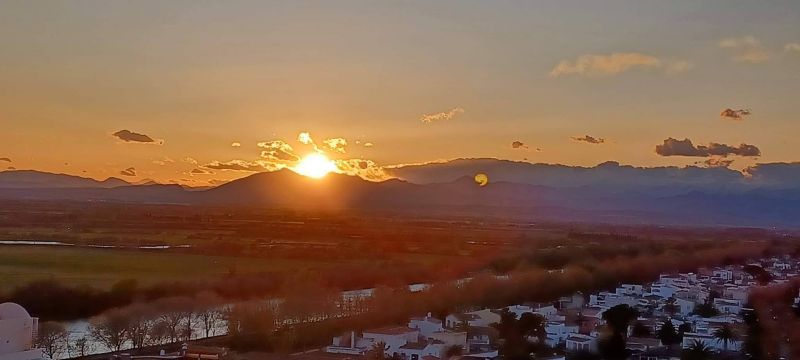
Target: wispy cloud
{"x":237,"y":165}
{"x":588,"y":139}
{"x":5,"y":159}
{"x":612,"y":64}
{"x":792,"y":47}
{"x":745,"y":49}
{"x":236,"y":144}
{"x":164,"y":160}
{"x":278,"y":150}
{"x":685,"y":147}
{"x":128,"y":172}
{"x":134,"y":137}
{"x":732,"y":114}
{"x":446,"y":115}
{"x":201,"y":171}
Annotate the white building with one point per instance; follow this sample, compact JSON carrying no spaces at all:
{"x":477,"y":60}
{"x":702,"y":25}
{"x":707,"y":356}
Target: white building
{"x":17,"y":333}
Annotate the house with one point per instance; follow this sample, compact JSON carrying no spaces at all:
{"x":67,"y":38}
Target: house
{"x":642,"y":344}
{"x":479,"y":339}
{"x":728,"y":306}
{"x":17,"y":333}
{"x":350,"y":344}
{"x":518,"y":310}
{"x":394,"y":337}
{"x":558,"y":332}
{"x":426,"y":325}
{"x":580,"y":342}
{"x":483,"y":317}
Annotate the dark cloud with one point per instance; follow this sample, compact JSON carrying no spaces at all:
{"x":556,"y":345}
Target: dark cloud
{"x":685,"y":147}
{"x":518,"y":145}
{"x":5,"y":159}
{"x":716,"y":162}
{"x":130,"y":136}
{"x":128,"y":172}
{"x":236,"y":165}
{"x":589,"y":139}
{"x":201,"y":171}
{"x":11,"y":168}
{"x":734,"y":114}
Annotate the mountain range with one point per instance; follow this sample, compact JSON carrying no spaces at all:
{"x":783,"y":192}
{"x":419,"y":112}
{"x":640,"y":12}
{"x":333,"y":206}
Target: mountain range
{"x":608,"y":193}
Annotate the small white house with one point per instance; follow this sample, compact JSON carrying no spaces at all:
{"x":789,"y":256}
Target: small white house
{"x":580,"y":342}
{"x":17,"y":333}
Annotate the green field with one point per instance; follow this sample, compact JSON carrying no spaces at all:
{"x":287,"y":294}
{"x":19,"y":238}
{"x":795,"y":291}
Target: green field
{"x":104,"y":267}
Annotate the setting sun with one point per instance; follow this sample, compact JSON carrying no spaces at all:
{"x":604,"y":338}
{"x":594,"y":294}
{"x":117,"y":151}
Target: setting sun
{"x":315,"y":166}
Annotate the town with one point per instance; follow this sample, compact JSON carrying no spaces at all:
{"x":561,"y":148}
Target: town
{"x":701,"y":312}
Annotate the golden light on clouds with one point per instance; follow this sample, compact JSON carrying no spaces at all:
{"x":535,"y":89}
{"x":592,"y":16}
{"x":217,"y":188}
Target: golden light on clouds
{"x":315,"y":165}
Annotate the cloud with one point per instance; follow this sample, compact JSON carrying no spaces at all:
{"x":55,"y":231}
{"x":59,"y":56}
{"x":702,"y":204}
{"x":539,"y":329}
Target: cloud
{"x":5,"y":159}
{"x":236,"y":165}
{"x":716,"y":162}
{"x":746,"y":49}
{"x":447,"y":115}
{"x":217,"y":182}
{"x":130,"y":136}
{"x":685,"y":147}
{"x":163,"y":161}
{"x":236,"y":144}
{"x":792,"y":47}
{"x":278,"y":150}
{"x":678,"y":67}
{"x":189,"y":160}
{"x":366,"y":169}
{"x":518,"y":144}
{"x":11,"y":168}
{"x":305,"y":138}
{"x":368,"y":144}
{"x":589,"y":139}
{"x":734,"y":114}
{"x":616,"y":63}
{"x":201,"y":171}
{"x":128,"y":172}
{"x":336,"y":144}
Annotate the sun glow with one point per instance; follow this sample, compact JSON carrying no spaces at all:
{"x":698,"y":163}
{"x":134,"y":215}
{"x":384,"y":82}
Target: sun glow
{"x":315,"y":166}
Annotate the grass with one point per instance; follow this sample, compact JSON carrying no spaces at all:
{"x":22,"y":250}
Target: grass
{"x":103,"y":267}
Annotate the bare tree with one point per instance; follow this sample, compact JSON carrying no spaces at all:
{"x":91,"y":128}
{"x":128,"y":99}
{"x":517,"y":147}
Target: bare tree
{"x":52,"y":339}
{"x":111,"y":330}
{"x":210,"y":318}
{"x":81,"y":347}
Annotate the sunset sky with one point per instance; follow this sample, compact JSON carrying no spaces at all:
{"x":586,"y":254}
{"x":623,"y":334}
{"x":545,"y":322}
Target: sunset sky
{"x":573,"y":82}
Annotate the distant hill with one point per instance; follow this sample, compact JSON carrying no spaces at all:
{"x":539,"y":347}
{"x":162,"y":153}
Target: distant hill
{"x":684,"y":201}
{"x":27,"y":179}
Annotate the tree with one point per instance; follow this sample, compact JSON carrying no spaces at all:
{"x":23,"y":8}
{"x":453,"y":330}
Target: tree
{"x":697,"y":351}
{"x":532,"y":325}
{"x":619,"y":317}
{"x":80,"y":347}
{"x":671,"y":307}
{"x":52,"y":339}
{"x":640,"y":330}
{"x":667,"y":333}
{"x":379,"y":350}
{"x":724,"y":335}
{"x":705,"y":310}
{"x":210,"y":318}
{"x":111,"y":330}
{"x":453,"y":351}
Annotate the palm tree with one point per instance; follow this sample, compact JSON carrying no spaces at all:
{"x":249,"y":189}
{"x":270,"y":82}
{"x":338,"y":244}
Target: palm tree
{"x":724,"y":335}
{"x":697,"y":351}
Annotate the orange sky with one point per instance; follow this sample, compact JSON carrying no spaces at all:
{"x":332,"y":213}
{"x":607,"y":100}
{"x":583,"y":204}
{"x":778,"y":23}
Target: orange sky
{"x":203,"y":75}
